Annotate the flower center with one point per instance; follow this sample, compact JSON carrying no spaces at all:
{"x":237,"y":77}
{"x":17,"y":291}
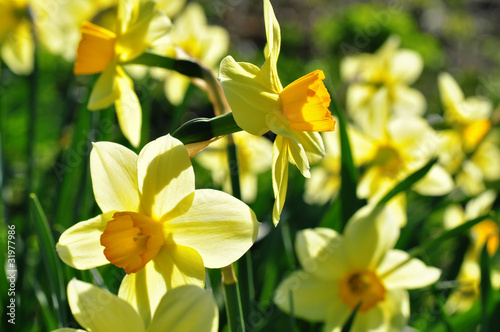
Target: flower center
{"x":305,"y":103}
{"x":131,"y":240}
{"x":486,"y":232}
{"x":95,"y":50}
{"x":389,"y":160}
{"x":361,"y":286}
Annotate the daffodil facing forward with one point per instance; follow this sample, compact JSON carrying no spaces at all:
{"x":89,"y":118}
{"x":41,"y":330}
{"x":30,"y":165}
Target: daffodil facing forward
{"x":138,"y":26}
{"x":155,"y":225}
{"x":187,"y":308}
{"x":359,"y":267}
{"x":295,"y":113}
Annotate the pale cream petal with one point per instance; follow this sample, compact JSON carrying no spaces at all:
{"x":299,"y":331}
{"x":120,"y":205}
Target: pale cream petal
{"x":480,"y":205}
{"x":298,"y":157}
{"x":406,"y":66}
{"x":369,"y":235}
{"x":474,"y":108}
{"x":414,"y":274}
{"x":176,"y":86}
{"x":173,"y":266}
{"x":128,"y":108}
{"x":105,"y":90}
{"x":313,"y":145}
{"x":218,"y":226}
{"x":365,"y":148}
{"x":408,"y":101}
{"x":96,"y":309}
{"x":311,"y":296}
{"x":322,"y":186}
{"x":248,"y":94}
{"x":113,"y":169}
{"x":272,"y":49}
{"x":322,"y":253}
{"x":166,"y":178}
{"x":280,"y":175}
{"x":436,"y":182}
{"x":186,"y":308}
{"x":80,"y":245}
{"x":371,"y":320}
{"x":453,"y":216}
{"x":450,"y":92}
{"x":395,"y":310}
{"x":336,"y":315}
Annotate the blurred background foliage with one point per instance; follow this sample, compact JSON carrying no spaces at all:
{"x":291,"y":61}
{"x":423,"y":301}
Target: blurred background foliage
{"x":46,"y":152}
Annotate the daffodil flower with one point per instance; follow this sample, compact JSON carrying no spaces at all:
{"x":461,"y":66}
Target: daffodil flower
{"x":103,"y":51}
{"x":155,"y":225}
{"x":254,"y":158}
{"x":295,"y":113}
{"x":17,"y":46}
{"x":186,"y":308}
{"x":359,"y":267}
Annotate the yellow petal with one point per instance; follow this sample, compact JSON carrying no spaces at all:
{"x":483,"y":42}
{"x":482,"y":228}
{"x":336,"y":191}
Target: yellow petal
{"x":408,"y":101}
{"x":173,"y":266}
{"x":113,"y":168}
{"x":95,"y":50}
{"x":272,"y":49}
{"x":369,"y":235}
{"x":18,"y":49}
{"x":311,"y":295}
{"x":105,"y":90}
{"x":96,"y":309}
{"x":80,"y":247}
{"x":412,"y":275}
{"x":321,"y":252}
{"x":128,"y":108}
{"x":186,"y":308}
{"x":176,"y":86}
{"x":280,"y":175}
{"x":298,"y":157}
{"x":249,"y":95}
{"x":406,"y":66}
{"x":166,"y":178}
{"x":436,"y":182}
{"x":218,"y":226}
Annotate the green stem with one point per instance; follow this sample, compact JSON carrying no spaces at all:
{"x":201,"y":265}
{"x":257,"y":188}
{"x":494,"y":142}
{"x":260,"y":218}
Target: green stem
{"x":232,"y":300}
{"x":185,"y":67}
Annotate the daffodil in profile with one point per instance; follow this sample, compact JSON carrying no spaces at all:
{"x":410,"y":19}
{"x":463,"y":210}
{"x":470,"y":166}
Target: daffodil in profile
{"x":186,"y":308}
{"x":360,"y":267}
{"x":254,"y":158}
{"x":295,"y":113}
{"x":154,"y":224}
{"x":17,"y":47}
{"x":138,"y":25}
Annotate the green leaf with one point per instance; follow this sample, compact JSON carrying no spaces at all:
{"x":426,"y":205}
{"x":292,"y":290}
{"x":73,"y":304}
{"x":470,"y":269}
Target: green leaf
{"x":184,"y":67}
{"x":348,"y":324}
{"x":50,"y":258}
{"x":407,"y":183}
{"x":203,"y":129}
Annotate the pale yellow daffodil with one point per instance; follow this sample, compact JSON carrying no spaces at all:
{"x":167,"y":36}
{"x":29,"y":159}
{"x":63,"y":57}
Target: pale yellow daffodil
{"x":17,"y":47}
{"x":484,"y":233}
{"x":155,"y":224}
{"x":138,"y":25}
{"x":186,"y":308}
{"x":254,"y":158}
{"x":340,"y":271}
{"x":191,"y":36}
{"x":295,"y":114}
{"x":402,"y":146}
{"x":388,"y":68}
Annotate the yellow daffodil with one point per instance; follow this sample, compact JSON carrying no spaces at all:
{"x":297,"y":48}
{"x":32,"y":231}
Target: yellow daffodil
{"x":403,"y":145}
{"x":324,"y":183}
{"x":295,"y":114}
{"x":484,"y":233}
{"x":341,"y":271}
{"x":155,"y":225}
{"x":16,"y":37}
{"x":185,"y":308}
{"x":254,"y":158}
{"x":100,"y":50}
{"x":389,"y":68}
{"x":190,"y":36}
